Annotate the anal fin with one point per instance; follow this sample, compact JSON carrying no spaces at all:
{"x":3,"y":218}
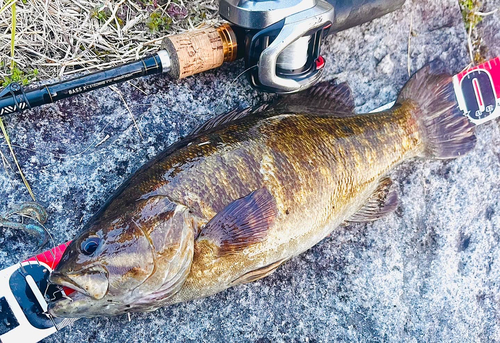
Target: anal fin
{"x":382,"y":202}
{"x":258,"y":274}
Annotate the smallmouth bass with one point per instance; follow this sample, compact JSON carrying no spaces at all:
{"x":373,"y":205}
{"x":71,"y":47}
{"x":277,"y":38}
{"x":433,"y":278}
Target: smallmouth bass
{"x":248,"y":191}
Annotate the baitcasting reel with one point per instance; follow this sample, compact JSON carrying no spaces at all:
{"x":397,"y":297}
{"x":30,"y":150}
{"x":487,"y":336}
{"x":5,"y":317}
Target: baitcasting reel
{"x":279,"y":39}
{"x":282,"y":39}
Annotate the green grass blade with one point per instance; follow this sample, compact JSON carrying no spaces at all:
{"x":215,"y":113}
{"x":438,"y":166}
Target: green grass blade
{"x":12,"y":66}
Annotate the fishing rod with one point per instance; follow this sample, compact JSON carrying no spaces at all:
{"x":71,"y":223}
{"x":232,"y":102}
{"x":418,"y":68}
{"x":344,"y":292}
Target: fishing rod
{"x":279,"y":40}
{"x":216,"y":45}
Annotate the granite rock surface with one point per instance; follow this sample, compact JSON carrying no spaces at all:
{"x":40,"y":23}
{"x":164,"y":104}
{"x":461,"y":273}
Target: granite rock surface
{"x":488,"y":29}
{"x":428,"y":273}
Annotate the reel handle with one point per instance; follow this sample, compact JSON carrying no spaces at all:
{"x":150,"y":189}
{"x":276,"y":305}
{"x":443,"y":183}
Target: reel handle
{"x":350,"y":13}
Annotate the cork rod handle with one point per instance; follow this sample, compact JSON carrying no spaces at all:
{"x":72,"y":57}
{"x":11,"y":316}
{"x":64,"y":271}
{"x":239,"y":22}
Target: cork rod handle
{"x":196,"y":51}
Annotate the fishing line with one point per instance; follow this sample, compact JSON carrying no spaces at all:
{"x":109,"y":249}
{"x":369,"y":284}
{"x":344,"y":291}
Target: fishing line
{"x":229,"y":86}
{"x":51,"y":238}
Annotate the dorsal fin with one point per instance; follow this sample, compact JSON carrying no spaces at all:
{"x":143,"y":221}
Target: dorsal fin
{"x":382,"y":202}
{"x":227,"y":117}
{"x":325,"y":98}
{"x":243,"y":222}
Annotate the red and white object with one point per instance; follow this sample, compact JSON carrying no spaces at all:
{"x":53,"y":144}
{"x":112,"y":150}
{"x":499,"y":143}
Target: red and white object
{"x":24,"y":291}
{"x":478,"y":91}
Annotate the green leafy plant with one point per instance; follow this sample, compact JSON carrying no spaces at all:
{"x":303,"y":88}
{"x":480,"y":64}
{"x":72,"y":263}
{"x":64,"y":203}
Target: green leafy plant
{"x":102,"y":14}
{"x":19,"y":76}
{"x":472,"y":17}
{"x":158,"y":22}
{"x":469,"y":9}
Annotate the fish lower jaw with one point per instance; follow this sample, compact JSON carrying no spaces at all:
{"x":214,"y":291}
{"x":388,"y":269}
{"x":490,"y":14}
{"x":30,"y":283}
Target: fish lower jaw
{"x":65,"y":307}
{"x":79,"y":305}
{"x":74,"y":299}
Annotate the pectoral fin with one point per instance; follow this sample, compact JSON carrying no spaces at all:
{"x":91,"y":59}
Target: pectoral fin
{"x":258,"y":274}
{"x":382,"y":202}
{"x":243,"y":222}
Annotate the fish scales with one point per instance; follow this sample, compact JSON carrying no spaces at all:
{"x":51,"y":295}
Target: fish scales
{"x":309,"y":206}
{"x":231,"y":203}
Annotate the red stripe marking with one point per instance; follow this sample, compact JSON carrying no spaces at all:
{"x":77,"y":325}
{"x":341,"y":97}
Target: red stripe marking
{"x":478,"y":92}
{"x":52,"y":259}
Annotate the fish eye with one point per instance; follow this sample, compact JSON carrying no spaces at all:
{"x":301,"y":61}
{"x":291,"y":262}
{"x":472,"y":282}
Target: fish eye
{"x":89,"y":245}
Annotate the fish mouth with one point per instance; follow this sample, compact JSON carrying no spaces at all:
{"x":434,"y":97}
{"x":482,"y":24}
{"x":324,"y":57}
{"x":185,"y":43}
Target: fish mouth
{"x":82,"y":290}
{"x":73,"y":305}
{"x":92,"y":282}
{"x":68,"y":285}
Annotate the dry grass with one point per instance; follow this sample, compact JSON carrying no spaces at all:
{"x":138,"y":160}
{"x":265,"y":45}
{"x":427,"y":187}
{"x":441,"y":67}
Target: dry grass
{"x":61,"y":37}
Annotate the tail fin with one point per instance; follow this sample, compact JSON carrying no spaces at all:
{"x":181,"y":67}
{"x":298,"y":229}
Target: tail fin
{"x":447,"y":133}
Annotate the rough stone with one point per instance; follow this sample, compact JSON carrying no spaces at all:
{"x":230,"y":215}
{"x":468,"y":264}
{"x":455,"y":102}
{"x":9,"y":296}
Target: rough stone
{"x":488,"y":29}
{"x":428,"y":272}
